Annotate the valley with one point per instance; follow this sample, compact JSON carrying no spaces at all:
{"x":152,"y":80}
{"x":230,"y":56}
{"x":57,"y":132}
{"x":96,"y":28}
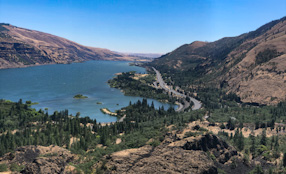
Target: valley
{"x":206,"y":107}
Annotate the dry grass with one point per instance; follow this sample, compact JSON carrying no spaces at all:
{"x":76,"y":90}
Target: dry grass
{"x":139,"y":76}
{"x":215,"y":129}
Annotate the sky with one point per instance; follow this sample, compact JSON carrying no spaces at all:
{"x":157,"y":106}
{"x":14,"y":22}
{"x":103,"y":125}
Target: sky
{"x":141,"y":26}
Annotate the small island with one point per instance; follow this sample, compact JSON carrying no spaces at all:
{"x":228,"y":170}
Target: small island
{"x":80,"y":96}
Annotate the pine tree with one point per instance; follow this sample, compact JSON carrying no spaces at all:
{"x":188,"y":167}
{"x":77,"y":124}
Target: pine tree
{"x":152,"y":105}
{"x":253,"y":146}
{"x":284,"y":159}
{"x":270,"y":171}
{"x":263,"y":140}
{"x":276,"y":145}
{"x":272,"y":141}
{"x":240,"y":142}
{"x":258,"y":170}
{"x":230,"y":124}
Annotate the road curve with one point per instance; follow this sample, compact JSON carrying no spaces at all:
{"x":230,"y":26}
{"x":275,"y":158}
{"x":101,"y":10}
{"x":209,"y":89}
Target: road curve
{"x":197,"y":104}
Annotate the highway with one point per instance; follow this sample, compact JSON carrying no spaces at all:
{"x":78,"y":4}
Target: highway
{"x":197,"y":104}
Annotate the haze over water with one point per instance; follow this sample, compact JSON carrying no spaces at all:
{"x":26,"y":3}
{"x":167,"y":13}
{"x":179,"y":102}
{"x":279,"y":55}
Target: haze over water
{"x":53,"y":87}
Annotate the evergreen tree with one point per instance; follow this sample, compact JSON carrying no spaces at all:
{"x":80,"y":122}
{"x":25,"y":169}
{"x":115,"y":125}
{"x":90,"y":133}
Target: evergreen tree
{"x":257,"y":170}
{"x":253,"y":144}
{"x":230,"y":124}
{"x":240,"y":142}
{"x":263,"y":140}
{"x":284,"y":159}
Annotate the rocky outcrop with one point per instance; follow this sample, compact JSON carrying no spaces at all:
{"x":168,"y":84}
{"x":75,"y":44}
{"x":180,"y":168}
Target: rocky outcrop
{"x":220,"y":149}
{"x":189,"y":155}
{"x":40,"y":159}
{"x":162,"y":159}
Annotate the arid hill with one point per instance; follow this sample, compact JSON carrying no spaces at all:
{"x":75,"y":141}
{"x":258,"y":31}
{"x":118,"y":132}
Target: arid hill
{"x":204,"y":154}
{"x":40,"y":159}
{"x":252,"y":65}
{"x":22,"y":47}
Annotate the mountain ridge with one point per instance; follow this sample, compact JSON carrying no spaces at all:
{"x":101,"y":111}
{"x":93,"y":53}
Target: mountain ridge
{"x":20,"y":47}
{"x":250,"y":65}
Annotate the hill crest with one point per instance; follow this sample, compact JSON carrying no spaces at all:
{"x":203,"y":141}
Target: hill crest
{"x":250,"y":65}
{"x":20,"y":47}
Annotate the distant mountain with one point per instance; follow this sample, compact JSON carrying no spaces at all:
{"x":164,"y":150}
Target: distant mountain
{"x":252,"y":65}
{"x":22,"y":47}
{"x":144,"y":55}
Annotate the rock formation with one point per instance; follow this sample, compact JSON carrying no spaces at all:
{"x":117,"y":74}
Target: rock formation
{"x":189,"y":155}
{"x":40,"y":159}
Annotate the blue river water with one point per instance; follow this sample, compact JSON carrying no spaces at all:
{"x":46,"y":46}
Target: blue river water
{"x":53,"y":87}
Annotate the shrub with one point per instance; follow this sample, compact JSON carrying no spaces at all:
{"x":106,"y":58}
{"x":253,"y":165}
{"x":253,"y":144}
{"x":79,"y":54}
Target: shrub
{"x":3,"y":168}
{"x":266,"y":55}
{"x":222,"y":126}
{"x":262,"y":149}
{"x":16,"y":168}
{"x":203,"y":129}
{"x":155,"y":143}
{"x":192,"y":134}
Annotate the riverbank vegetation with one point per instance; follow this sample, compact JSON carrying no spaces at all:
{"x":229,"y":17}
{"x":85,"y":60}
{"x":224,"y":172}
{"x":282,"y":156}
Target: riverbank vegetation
{"x":21,"y":125}
{"x":134,"y":85}
{"x":80,"y":96}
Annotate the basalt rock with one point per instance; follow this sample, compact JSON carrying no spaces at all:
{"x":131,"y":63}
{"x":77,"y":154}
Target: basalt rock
{"x":220,"y":149}
{"x":197,"y":155}
{"x":162,"y":159}
{"x":40,"y":159}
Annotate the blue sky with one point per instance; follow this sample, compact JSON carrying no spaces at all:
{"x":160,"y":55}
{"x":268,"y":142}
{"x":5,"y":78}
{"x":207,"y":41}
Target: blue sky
{"x":141,"y":26}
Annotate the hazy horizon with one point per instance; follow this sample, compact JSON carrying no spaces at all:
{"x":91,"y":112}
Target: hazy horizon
{"x":141,"y":26}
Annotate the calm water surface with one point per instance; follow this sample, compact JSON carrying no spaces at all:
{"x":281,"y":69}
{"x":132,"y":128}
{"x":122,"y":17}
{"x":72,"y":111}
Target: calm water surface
{"x":53,"y":87}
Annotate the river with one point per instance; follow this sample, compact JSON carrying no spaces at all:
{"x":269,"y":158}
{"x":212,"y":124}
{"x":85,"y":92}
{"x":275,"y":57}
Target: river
{"x":53,"y":87}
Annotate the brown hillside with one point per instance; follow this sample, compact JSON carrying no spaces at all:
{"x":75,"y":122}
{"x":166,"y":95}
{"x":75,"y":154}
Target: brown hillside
{"x":263,"y":82}
{"x":252,"y":65}
{"x":21,"y":47}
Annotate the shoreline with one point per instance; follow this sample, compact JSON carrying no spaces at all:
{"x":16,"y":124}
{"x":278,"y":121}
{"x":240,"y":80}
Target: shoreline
{"x":15,"y":65}
{"x":107,"y":111}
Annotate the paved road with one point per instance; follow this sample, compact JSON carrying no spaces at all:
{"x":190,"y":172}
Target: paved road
{"x":122,"y":118}
{"x":180,"y":107}
{"x":109,"y":123}
{"x":165,"y":86}
{"x":197,"y":104}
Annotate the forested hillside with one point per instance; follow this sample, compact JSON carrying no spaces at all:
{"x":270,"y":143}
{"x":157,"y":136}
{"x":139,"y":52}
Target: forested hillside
{"x":145,"y":126}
